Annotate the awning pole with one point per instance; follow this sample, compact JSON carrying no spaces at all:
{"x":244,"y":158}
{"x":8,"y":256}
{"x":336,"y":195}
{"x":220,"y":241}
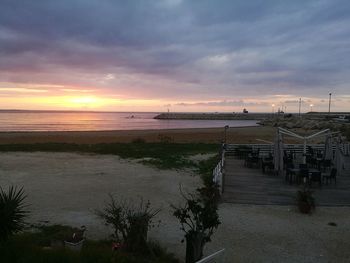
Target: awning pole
{"x":304,"y":157}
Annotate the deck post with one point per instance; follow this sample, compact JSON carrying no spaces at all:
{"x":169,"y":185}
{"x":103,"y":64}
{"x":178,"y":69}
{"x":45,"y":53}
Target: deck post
{"x":304,"y":152}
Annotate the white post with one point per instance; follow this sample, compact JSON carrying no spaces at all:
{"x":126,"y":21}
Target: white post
{"x":304,"y":151}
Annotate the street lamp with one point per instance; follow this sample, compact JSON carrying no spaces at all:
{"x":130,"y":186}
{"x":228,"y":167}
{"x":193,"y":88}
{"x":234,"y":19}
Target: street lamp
{"x":226,"y":128}
{"x":311,"y":105}
{"x":329,"y":103}
{"x":273,"y":108}
{"x":299,"y":106}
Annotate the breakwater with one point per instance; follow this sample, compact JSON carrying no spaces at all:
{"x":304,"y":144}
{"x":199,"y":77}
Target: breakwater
{"x":212,"y":116}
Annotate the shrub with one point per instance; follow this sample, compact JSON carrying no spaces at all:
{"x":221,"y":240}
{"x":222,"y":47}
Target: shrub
{"x":199,"y":218}
{"x":165,"y":138}
{"x":305,"y":201}
{"x":55,"y":235}
{"x":131,"y":223}
{"x":12,"y":212}
{"x":139,"y":140}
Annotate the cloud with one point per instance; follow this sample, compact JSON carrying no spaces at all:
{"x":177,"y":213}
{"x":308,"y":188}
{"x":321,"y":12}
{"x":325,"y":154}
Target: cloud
{"x":175,"y":49}
{"x":77,"y":90}
{"x":22,"y":90}
{"x":224,"y":103}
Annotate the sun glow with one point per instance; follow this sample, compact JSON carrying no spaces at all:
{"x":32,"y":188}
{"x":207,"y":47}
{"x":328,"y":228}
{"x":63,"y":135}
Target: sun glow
{"x":85,"y":100}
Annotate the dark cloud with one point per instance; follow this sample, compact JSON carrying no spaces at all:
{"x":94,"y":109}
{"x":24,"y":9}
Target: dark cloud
{"x":203,"y":48}
{"x":223,"y":103}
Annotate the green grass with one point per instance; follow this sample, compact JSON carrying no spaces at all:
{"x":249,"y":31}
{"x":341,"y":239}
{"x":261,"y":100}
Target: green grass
{"x":206,"y":167}
{"x":29,"y":248}
{"x":163,"y":155}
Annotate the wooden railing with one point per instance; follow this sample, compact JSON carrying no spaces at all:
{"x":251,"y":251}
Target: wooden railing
{"x":218,"y":172}
{"x":265,"y":149}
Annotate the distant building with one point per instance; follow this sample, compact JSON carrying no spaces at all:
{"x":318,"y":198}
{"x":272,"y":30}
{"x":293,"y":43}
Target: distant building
{"x":245,"y":111}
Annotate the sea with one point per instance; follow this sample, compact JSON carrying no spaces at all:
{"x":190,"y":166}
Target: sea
{"x":12,"y":121}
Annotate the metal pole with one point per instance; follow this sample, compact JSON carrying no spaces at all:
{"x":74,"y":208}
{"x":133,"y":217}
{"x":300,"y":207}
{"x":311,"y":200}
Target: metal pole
{"x":226,"y":127}
{"x":299,"y":106}
{"x":329,"y":103}
{"x":304,"y":152}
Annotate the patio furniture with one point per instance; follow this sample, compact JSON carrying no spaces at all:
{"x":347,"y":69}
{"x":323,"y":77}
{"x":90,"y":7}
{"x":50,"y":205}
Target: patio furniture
{"x":290,"y":173}
{"x":267,"y":163}
{"x":303,"y":175}
{"x":303,"y":166}
{"x":326,"y":164}
{"x":243,"y":152}
{"x":252,"y":159}
{"x":315,"y":176}
{"x":331,"y":176}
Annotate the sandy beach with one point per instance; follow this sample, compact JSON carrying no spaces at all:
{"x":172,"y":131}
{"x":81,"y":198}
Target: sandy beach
{"x":210,"y":135}
{"x":66,"y":188}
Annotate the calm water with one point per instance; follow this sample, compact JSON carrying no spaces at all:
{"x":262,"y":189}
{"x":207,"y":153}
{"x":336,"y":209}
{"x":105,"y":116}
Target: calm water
{"x":96,"y":121}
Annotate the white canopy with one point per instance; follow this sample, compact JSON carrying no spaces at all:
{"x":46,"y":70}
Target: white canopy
{"x":304,"y":138}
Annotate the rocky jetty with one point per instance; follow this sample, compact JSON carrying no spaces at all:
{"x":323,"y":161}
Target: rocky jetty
{"x":305,"y":122}
{"x":212,"y":116}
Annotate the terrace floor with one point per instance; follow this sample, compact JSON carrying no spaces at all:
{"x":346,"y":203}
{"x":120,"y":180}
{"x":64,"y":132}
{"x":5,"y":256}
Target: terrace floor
{"x":244,"y":185}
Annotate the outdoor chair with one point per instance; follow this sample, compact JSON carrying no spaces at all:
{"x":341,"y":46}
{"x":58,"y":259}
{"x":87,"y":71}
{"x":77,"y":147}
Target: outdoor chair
{"x":303,"y":175}
{"x":267,"y":163}
{"x":315,"y":177}
{"x":251,"y":160}
{"x":326,"y":164}
{"x":310,"y":150}
{"x":312,"y":162}
{"x":331,"y":176}
{"x":289,"y":172}
{"x":302,"y":166}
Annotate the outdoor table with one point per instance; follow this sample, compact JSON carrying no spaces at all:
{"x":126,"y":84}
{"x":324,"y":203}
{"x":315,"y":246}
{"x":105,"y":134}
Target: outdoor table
{"x":243,"y":153}
{"x":266,"y":162}
{"x":294,"y":173}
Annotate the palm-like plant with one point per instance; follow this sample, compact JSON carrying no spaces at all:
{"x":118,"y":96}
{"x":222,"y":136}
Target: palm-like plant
{"x":12,"y":211}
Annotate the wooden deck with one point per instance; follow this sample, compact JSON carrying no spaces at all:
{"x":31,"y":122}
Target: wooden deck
{"x":244,"y":185}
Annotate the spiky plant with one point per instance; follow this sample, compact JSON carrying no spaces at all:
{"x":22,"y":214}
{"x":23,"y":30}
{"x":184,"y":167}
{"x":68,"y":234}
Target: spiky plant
{"x":12,"y":211}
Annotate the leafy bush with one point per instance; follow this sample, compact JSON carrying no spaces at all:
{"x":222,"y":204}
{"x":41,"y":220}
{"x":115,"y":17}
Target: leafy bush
{"x":47,"y":234}
{"x":199,"y":219}
{"x":23,"y":248}
{"x":139,"y":140}
{"x":305,"y":201}
{"x":206,"y":167}
{"x":131,"y":223}
{"x":165,"y":138}
{"x":12,"y":212}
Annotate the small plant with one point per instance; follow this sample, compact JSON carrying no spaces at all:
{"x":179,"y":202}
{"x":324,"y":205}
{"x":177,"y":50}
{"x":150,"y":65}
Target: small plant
{"x":199,"y":219}
{"x":305,"y":201}
{"x":139,"y":140}
{"x":12,"y":212}
{"x":165,"y":138}
{"x":56,"y":235}
{"x":131,"y":223}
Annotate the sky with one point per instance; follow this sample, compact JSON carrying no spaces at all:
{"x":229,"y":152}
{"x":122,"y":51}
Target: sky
{"x":176,"y":55}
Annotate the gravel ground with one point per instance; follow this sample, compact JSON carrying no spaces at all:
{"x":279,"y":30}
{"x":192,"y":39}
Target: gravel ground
{"x":66,"y":188}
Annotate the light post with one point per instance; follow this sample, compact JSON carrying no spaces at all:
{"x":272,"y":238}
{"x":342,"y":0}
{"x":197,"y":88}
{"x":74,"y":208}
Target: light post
{"x":299,"y":106}
{"x":329,"y":103}
{"x":225,"y":133}
{"x":311,"y":105}
{"x":273,"y":108}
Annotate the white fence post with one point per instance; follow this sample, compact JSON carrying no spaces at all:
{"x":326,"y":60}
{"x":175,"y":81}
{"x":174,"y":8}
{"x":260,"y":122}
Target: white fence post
{"x":218,"y":172}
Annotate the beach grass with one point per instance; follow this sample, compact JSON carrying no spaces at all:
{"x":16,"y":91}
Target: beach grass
{"x":160,"y":155}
